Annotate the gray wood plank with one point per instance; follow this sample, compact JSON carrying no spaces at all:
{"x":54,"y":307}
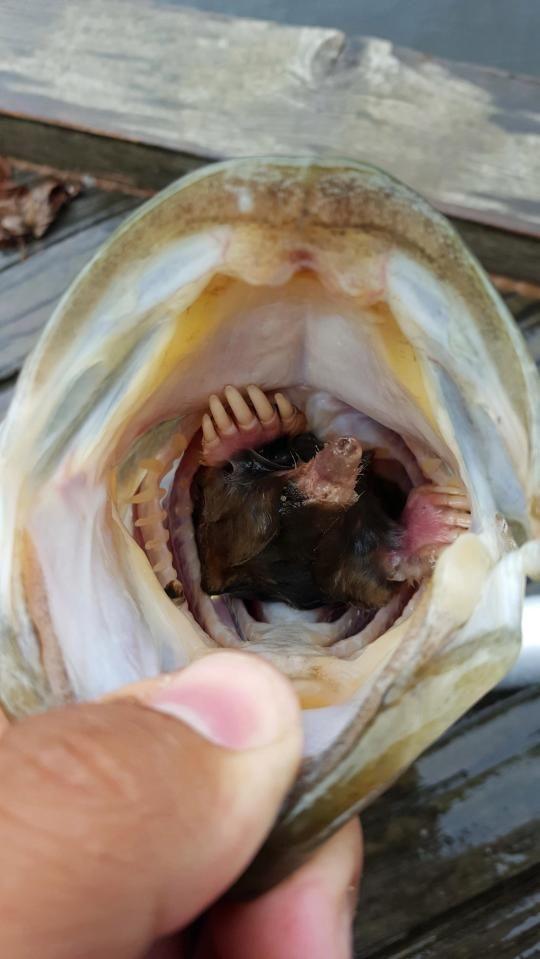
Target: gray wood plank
{"x":504,"y":923}
{"x":509,"y":254}
{"x":121,"y":162}
{"x":31,"y":289}
{"x":144,"y":71}
{"x":462,"y":820}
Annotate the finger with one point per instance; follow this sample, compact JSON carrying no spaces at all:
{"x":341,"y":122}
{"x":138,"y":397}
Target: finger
{"x":173,"y":947}
{"x":119,"y":823}
{"x":310,"y":914}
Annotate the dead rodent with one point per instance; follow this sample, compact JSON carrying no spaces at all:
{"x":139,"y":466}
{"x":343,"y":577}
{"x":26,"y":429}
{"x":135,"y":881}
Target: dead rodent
{"x":300,"y":522}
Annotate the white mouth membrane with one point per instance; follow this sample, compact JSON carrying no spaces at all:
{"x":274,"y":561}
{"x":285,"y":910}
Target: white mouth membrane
{"x":368,"y":343}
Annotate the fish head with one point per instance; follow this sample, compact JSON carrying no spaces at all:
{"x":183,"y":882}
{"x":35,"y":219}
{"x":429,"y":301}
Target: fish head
{"x":335,"y":285}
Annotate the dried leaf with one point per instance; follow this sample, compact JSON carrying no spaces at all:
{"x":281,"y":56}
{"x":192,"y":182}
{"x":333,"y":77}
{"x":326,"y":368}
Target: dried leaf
{"x":28,"y":211}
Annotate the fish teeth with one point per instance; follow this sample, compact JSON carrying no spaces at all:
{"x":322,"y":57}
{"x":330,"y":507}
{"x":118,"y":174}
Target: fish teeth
{"x":158,"y":541}
{"x":150,"y":514}
{"x":146,"y":496}
{"x":209,"y":430}
{"x":222,"y":419}
{"x":228,"y":432}
{"x":153,"y":465}
{"x":285,"y":407}
{"x":242,"y":413}
{"x":262,"y":405}
{"x":150,"y":519}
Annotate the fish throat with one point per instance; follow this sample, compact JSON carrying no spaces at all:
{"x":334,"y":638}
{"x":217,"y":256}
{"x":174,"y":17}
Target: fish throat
{"x":275,"y":535}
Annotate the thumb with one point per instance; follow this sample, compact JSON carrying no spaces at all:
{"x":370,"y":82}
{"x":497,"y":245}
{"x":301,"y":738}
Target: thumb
{"x":120,"y":821}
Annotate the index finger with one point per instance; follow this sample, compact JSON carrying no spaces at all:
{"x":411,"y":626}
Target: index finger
{"x":309,"y":914}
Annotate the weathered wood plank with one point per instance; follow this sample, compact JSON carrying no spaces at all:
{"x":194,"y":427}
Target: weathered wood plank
{"x":129,"y":165}
{"x":504,"y":923}
{"x":466,"y":137}
{"x":508,"y":254}
{"x":31,"y":289}
{"x":465,"y":817}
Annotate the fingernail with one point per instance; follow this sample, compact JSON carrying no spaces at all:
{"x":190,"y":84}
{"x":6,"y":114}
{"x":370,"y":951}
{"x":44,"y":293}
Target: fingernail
{"x":232,"y":699}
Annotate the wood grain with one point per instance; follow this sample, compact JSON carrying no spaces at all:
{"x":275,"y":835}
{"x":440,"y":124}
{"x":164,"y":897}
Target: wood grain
{"x":30,"y":289}
{"x":147,"y":72}
{"x":463,"y":820}
{"x":509,"y":254}
{"x":504,"y":923}
{"x":129,"y":165}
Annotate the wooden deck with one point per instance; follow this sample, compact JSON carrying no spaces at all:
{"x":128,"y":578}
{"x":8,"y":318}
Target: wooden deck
{"x":453,"y":850}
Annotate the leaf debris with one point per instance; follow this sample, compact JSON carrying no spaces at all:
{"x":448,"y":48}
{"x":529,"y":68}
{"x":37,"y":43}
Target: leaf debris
{"x":28,"y":210}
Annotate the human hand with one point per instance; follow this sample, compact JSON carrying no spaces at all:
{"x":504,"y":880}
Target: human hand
{"x":123,"y":821}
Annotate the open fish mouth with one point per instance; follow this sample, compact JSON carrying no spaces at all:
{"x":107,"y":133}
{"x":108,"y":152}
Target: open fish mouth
{"x":285,"y":548}
{"x":254,"y":290}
